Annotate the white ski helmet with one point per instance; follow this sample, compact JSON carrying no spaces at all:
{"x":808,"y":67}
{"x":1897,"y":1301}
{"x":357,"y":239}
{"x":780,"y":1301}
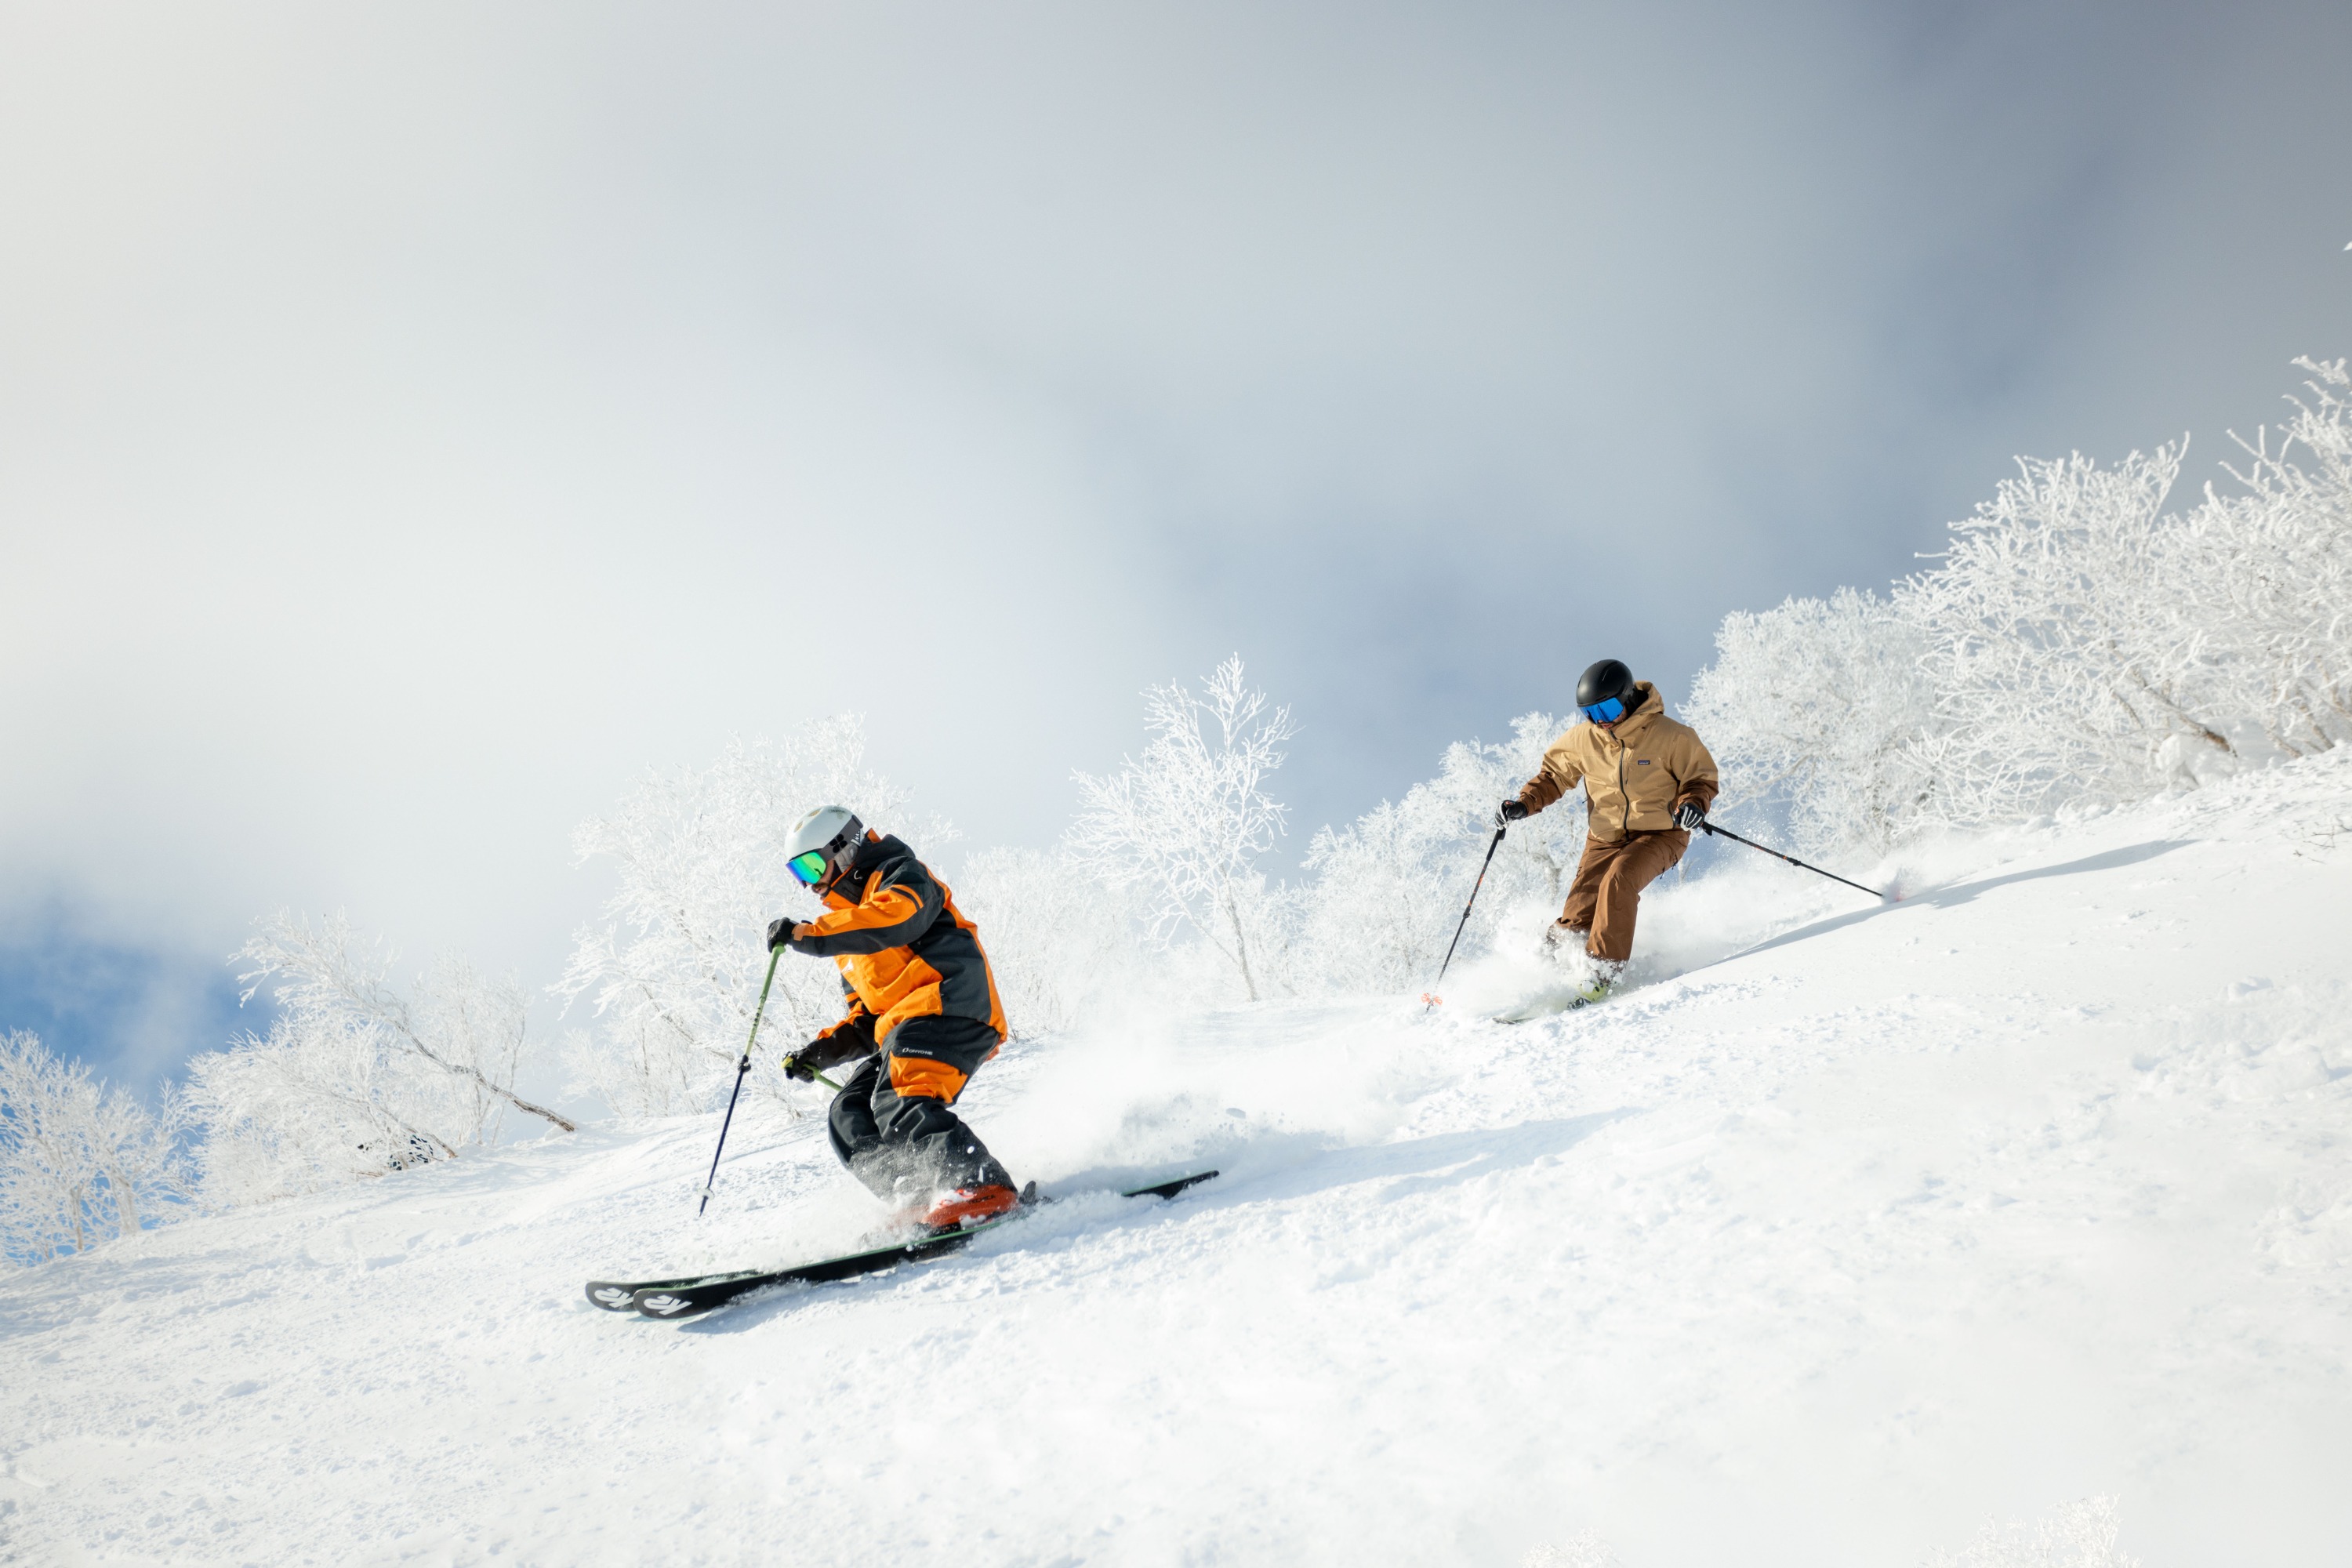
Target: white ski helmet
{"x":826,"y":833}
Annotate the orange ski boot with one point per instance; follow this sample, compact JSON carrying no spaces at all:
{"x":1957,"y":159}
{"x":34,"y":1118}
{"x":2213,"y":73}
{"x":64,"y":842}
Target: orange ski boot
{"x":969,"y":1205}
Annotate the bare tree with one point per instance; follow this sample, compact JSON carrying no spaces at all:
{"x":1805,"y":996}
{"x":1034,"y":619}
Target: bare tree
{"x":1188,"y":820}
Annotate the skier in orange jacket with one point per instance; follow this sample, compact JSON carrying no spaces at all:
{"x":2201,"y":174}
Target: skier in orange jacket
{"x":923,"y":1010}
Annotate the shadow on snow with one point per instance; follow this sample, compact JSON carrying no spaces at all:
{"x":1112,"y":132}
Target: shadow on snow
{"x":1966,"y":892}
{"x":1408,"y":1170}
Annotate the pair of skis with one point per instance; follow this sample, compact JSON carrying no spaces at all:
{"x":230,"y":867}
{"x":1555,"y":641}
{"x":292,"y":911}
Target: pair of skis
{"x":701,"y":1292}
{"x":1546,"y":1006}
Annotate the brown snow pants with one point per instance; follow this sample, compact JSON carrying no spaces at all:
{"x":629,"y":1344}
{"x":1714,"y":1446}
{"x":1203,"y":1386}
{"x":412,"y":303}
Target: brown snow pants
{"x":1607,"y":891}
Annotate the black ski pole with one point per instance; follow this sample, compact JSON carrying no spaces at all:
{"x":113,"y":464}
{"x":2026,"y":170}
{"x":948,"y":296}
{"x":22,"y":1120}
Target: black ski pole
{"x":1713,"y":831}
{"x":1500,"y":830}
{"x":740,"y":1068}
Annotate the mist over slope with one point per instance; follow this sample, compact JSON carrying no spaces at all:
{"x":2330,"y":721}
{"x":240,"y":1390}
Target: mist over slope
{"x":1850,"y":1227}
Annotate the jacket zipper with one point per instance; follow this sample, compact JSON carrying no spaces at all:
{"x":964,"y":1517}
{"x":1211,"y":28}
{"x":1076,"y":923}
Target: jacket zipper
{"x":1624,"y":797}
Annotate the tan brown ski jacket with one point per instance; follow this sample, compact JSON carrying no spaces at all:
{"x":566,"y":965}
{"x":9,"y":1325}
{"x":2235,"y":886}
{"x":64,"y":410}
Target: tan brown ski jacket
{"x":1634,"y":771}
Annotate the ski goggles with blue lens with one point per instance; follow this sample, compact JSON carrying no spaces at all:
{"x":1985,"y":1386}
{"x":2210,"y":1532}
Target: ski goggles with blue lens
{"x":809,"y":867}
{"x":1607,"y":712}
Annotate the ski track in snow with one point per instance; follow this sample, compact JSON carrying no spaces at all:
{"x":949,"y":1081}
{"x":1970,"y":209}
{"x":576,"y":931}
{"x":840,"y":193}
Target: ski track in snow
{"x":2034,"y":1185}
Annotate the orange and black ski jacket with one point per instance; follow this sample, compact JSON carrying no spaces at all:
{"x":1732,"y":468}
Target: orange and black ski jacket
{"x":904,"y":948}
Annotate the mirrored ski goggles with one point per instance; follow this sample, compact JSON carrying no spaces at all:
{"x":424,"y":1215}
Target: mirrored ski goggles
{"x":808,"y":867}
{"x":1607,"y":712}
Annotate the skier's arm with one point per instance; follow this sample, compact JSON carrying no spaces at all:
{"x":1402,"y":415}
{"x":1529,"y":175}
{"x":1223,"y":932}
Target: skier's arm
{"x":852,"y":1036}
{"x":856,"y":1027}
{"x":830,"y":1048}
{"x":1696,"y":782}
{"x":1555,"y":778}
{"x":892,"y":916}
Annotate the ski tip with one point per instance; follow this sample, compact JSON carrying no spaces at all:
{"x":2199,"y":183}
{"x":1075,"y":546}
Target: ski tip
{"x":1169,"y":1189}
{"x":612,"y":1297}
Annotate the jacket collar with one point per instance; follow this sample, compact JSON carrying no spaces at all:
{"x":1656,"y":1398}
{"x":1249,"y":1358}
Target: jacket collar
{"x":861,"y":860}
{"x":1631,"y":727}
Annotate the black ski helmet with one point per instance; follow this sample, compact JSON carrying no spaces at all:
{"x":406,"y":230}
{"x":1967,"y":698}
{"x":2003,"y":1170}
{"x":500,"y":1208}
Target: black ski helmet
{"x":1608,"y":678}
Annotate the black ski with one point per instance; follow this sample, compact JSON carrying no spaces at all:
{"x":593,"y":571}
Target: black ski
{"x":684,"y":1297}
{"x":615,"y":1295}
{"x":684,"y":1301}
{"x":1167,"y":1189}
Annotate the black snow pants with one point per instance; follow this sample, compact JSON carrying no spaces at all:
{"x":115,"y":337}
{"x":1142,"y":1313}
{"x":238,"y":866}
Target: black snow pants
{"x":908,"y":1146}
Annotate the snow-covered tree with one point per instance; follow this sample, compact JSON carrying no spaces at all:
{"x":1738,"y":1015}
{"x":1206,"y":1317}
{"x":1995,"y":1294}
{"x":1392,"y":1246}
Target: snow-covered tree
{"x":314,"y":1103}
{"x":78,"y":1159}
{"x":1188,"y":820}
{"x":2271,"y":571}
{"x":353,"y":1079}
{"x":1820,"y":709}
{"x":2062,"y":663}
{"x":2084,"y":1534}
{"x":463,"y":1027}
{"x":141,"y":1154}
{"x":1538,"y":856}
{"x":1060,"y":941}
{"x":1377,"y":916}
{"x":2076,"y":644}
{"x":48,"y":1182}
{"x":675,"y":973}
{"x":1388,"y":889}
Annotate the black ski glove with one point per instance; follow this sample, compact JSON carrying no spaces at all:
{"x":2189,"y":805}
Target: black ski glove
{"x":1513,"y":810}
{"x":1690,"y":816}
{"x":844,"y":1043}
{"x":780,"y":931}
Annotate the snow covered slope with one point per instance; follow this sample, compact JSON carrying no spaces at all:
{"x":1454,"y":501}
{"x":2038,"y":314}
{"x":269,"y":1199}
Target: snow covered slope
{"x":2035,"y":1185}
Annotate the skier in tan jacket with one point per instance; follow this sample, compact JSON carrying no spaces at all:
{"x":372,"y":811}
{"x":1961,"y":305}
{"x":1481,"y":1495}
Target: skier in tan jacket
{"x":1648,"y":782}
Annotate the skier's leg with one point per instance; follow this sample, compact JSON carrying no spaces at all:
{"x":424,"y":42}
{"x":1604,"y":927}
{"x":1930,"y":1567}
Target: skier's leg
{"x":1575,"y":920}
{"x":1639,"y":862}
{"x":857,"y":1137}
{"x":1574,"y":924}
{"x":930,"y":1061}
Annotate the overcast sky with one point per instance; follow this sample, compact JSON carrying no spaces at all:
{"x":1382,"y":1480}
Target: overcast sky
{"x":417,"y":420}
